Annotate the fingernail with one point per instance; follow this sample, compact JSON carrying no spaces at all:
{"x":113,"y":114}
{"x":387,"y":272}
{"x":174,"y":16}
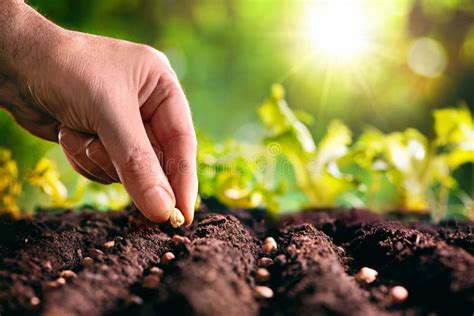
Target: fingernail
{"x":157,"y":203}
{"x":64,"y":138}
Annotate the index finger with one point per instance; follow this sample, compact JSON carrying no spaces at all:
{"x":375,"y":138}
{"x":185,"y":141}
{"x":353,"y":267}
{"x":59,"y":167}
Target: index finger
{"x":171,"y":124}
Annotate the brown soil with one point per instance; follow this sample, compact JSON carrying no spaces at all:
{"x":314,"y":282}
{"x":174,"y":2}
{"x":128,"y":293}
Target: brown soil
{"x":214,"y":273}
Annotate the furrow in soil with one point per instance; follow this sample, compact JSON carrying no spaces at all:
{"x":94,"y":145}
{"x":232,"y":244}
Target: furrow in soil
{"x":34,"y":252}
{"x":212,"y":275}
{"x":309,"y":278}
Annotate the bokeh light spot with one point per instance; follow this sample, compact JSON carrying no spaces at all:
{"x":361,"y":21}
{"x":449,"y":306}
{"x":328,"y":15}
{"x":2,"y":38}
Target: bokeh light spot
{"x":427,"y":57}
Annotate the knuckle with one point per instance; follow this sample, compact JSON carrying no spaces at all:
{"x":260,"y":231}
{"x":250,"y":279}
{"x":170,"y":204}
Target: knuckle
{"x":155,"y":54}
{"x":138,"y":165}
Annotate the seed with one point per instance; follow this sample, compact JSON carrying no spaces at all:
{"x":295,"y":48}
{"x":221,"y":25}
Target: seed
{"x":265,"y":262}
{"x":87,"y":261}
{"x":176,"y":218}
{"x":35,"y":301}
{"x":398,"y":293}
{"x":156,"y":271}
{"x":341,"y":250}
{"x":48,"y":265}
{"x":167,"y":257}
{"x":180,"y":239}
{"x":280,"y":259}
{"x":56,"y":283}
{"x":151,"y":281}
{"x":263,"y":292}
{"x":109,"y":244}
{"x":68,"y":274}
{"x":61,"y":281}
{"x":262,"y":275}
{"x":135,"y":300}
{"x":96,"y":253}
{"x":269,"y":245}
{"x":366,"y":275}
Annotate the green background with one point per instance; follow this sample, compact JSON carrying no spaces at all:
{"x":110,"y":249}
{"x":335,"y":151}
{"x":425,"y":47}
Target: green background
{"x":227,"y":54}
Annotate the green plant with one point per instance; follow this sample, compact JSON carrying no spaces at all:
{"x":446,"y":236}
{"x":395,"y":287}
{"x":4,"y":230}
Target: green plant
{"x":405,"y":169}
{"x":288,"y":169}
{"x":10,"y":186}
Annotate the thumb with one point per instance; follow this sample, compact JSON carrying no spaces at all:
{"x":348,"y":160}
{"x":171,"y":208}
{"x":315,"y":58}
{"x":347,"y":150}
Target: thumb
{"x":126,"y":142}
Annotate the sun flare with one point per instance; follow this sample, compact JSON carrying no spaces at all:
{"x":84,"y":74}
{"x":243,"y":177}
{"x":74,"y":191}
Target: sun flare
{"x":338,"y":29}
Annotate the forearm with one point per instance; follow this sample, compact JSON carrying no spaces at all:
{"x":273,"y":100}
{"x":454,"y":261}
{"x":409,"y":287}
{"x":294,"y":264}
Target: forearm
{"x":26,"y":39}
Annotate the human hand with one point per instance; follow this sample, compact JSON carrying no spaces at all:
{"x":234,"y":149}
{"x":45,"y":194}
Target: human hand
{"x":116,"y":108}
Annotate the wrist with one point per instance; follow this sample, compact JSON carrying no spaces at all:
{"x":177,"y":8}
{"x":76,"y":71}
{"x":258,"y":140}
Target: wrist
{"x":29,"y":39}
{"x":27,"y":42}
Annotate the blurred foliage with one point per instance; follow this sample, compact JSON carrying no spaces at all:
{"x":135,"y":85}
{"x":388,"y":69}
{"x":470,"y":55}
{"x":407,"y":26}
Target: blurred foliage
{"x":417,"y":171}
{"x":419,"y":57}
{"x":287,"y":160}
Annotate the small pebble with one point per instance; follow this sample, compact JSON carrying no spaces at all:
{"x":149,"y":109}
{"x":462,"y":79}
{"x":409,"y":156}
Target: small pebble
{"x":95,"y":253}
{"x":269,"y":245}
{"x":265,"y":262}
{"x":156,"y":271}
{"x":263,"y":291}
{"x":151,"y":281}
{"x":262,"y":275}
{"x":35,"y":301}
{"x":399,"y":293}
{"x":167,"y":257}
{"x":366,"y":275}
{"x":109,"y":244}
{"x":180,"y":239}
{"x":87,"y":261}
{"x":68,"y":275}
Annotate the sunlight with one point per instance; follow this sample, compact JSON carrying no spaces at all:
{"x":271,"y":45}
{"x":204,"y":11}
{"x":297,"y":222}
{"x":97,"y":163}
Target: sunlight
{"x":338,"y":29}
